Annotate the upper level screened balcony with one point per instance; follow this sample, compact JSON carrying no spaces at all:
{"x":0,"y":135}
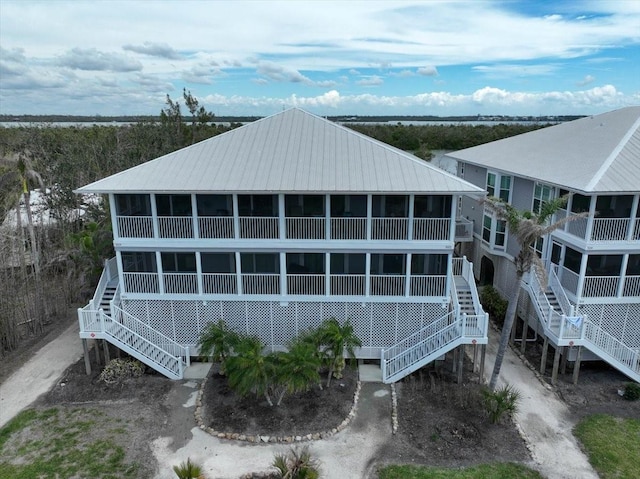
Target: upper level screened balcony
{"x":612,"y":218}
{"x":264,"y":216}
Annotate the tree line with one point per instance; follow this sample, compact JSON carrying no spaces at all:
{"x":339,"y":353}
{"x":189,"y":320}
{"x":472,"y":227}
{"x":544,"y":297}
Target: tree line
{"x":51,"y":258}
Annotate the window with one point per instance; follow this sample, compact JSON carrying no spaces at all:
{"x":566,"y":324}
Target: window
{"x":214,"y":205}
{"x":348,"y":205}
{"x":139,"y":262}
{"x":393,"y":264}
{"x":133,"y":205}
{"x":432,"y":206}
{"x":178,"y":262}
{"x":429,"y":264}
{"x":173,"y":205}
{"x":541,"y":194}
{"x":390,"y":206}
{"x":499,"y":186}
{"x":258,"y":205}
{"x":304,"y":205}
{"x":494,"y":231}
{"x":260,"y":263}
{"x":348,"y":263}
{"x":218,"y":262}
{"x":305,"y":263}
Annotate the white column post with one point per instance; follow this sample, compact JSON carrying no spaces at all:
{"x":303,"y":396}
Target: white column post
{"x":154,"y":215}
{"x":623,"y":275}
{"x":632,"y":217}
{"x":327,"y":275}
{"x":407,"y":275}
{"x":238,"y":272}
{"x":327,"y":217}
{"x":412,"y":198}
{"x":452,"y":225}
{"x":236,"y":218}
{"x":369,"y":219}
{"x":194,"y":216}
{"x":583,"y":272}
{"x":199,"y":273}
{"x":591,"y":217}
{"x":114,"y":216}
{"x":282,"y":221}
{"x":283,"y":274}
{"x":367,"y":274}
{"x":160,"y":272}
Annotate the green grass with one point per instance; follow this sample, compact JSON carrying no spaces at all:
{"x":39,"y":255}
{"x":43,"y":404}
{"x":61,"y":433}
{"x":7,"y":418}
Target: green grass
{"x":612,"y":444}
{"x":483,"y":471}
{"x":56,"y":443}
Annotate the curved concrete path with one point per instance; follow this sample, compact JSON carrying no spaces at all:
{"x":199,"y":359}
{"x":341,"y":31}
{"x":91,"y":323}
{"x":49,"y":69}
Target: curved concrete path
{"x":543,"y":418}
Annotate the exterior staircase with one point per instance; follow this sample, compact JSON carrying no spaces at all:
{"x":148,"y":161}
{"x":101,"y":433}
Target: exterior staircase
{"x":466,"y":323}
{"x":103,"y":318}
{"x":566,"y":327}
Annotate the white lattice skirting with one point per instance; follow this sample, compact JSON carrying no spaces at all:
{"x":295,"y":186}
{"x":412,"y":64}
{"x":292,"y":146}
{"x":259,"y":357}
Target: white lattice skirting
{"x":378,"y":325}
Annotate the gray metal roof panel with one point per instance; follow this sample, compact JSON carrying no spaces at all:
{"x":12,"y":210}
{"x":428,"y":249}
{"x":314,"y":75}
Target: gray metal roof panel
{"x":599,"y":153}
{"x":292,"y":151}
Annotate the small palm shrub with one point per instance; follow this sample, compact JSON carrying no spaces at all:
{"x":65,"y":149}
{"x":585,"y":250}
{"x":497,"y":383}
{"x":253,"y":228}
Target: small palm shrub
{"x":188,"y":470}
{"x":297,"y":465}
{"x":502,"y":400}
{"x":120,"y":369}
{"x":632,"y":391}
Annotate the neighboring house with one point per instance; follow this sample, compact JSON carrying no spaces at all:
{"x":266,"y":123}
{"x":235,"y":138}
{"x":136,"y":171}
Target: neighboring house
{"x":592,"y":300}
{"x":274,"y":227}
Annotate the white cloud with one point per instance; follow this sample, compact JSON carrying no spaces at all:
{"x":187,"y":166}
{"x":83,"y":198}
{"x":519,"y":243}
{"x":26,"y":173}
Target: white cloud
{"x":279,"y":73}
{"x":161,"y":50}
{"x":93,"y":60}
{"x":373,"y":80}
{"x":429,"y":71}
{"x":587,"y":80}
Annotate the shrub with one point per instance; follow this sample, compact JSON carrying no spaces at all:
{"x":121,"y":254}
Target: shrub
{"x":494,"y":304}
{"x":188,"y":470}
{"x":632,"y":391}
{"x":502,"y":400}
{"x":120,"y":369}
{"x":297,"y":465}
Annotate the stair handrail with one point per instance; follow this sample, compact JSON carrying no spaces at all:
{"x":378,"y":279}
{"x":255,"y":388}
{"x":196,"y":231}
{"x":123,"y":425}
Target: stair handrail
{"x":419,"y":336}
{"x":150,"y":334}
{"x":114,"y":324}
{"x":454,"y":296}
{"x":559,"y":291}
{"x":619,"y":351}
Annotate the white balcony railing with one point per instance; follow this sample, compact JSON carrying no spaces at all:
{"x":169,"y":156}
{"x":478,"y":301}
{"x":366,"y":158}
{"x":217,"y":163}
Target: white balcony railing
{"x":305,"y":228}
{"x":349,"y":228}
{"x":464,"y":230}
{"x":387,"y":285}
{"x":306,"y":284}
{"x":261,"y":283}
{"x":215,"y":226}
{"x":348,"y":284}
{"x":175,"y":226}
{"x":135,"y":226}
{"x":141,"y":283}
{"x":180,"y":283}
{"x":603,"y":229}
{"x":631,"y":286}
{"x":600,"y":286}
{"x":428,"y":285}
{"x":434,"y":229}
{"x":261,"y":227}
{"x":219,"y":283}
{"x":389,"y":228}
{"x":569,"y":280}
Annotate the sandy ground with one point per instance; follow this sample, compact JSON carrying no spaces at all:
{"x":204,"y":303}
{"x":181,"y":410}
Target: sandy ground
{"x":543,"y":419}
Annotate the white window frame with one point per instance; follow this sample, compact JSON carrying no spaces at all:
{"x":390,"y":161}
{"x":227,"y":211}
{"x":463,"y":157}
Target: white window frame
{"x":494,"y":234}
{"x":541,"y":197}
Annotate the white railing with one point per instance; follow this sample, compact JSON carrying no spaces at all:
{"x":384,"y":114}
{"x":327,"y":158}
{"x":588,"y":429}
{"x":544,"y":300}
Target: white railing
{"x":552,"y":320}
{"x":432,"y":229}
{"x":636,"y":230}
{"x":464,"y":229}
{"x":610,"y":229}
{"x":620,"y":352}
{"x":631,"y":286}
{"x":175,"y":226}
{"x":135,"y":226}
{"x":349,"y":228}
{"x":427,"y":285}
{"x":559,"y":292}
{"x":261,"y":283}
{"x":457,"y":266}
{"x":413,"y":351}
{"x":219,"y":283}
{"x":569,"y":280}
{"x":307,"y":284}
{"x":141,"y":283}
{"x":600,"y":286}
{"x":305,"y":228}
{"x":260,"y":227}
{"x":387,"y":285}
{"x":348,"y":284}
{"x":389,"y":228}
{"x":180,"y":283}
{"x":109,"y":273}
{"x":215,"y":226}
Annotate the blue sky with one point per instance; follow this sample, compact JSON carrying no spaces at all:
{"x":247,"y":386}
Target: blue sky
{"x":330,"y":57}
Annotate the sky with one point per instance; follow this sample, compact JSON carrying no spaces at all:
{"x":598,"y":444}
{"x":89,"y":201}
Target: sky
{"x":393,"y":57}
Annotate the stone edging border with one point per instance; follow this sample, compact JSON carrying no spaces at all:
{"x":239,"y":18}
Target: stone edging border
{"x":394,"y":409}
{"x":259,"y":438}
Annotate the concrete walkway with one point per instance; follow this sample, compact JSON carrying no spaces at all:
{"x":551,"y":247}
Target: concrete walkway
{"x":543,"y":419}
{"x":40,"y":373}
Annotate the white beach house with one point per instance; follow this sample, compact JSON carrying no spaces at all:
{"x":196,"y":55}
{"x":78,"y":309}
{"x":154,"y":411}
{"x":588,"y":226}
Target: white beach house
{"x":276,"y":226}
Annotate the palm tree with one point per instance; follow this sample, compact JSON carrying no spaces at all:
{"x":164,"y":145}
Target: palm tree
{"x":250,"y":370}
{"x":337,"y":339}
{"x":218,"y":341}
{"x":298,"y":368}
{"x":526,"y":227}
